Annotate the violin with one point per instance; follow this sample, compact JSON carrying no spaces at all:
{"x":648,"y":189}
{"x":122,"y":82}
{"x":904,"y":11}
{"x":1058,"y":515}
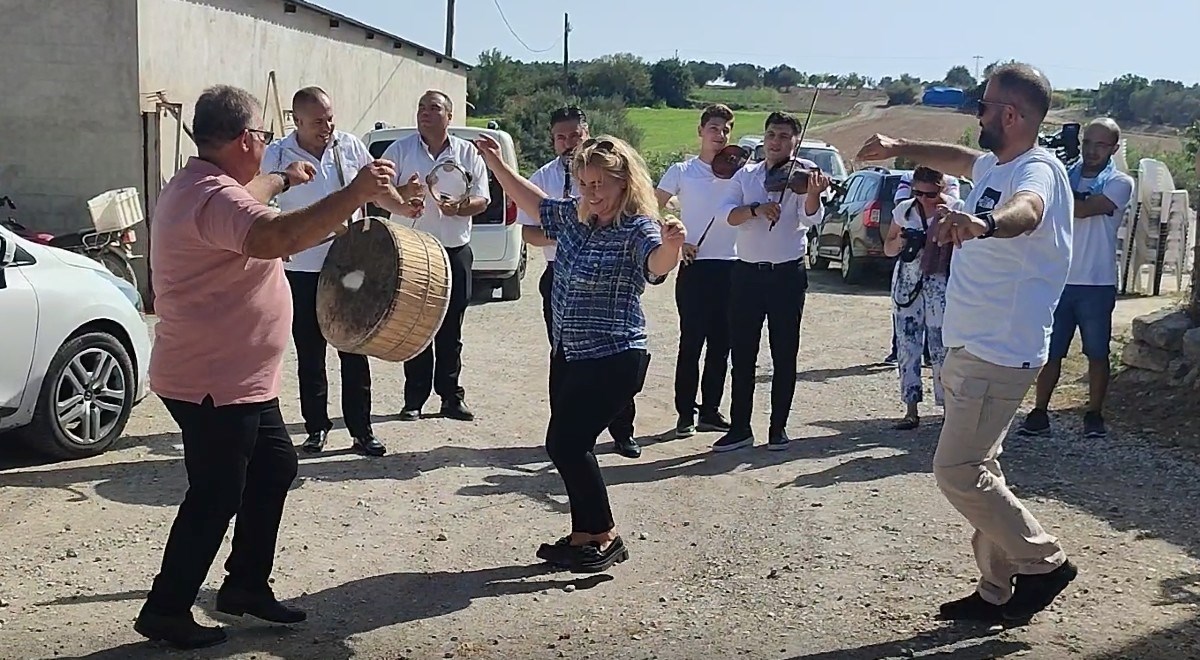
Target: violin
{"x":729,"y":160}
{"x":792,"y":175}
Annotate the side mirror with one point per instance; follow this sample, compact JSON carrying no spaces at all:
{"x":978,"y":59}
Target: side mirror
{"x":8,"y":251}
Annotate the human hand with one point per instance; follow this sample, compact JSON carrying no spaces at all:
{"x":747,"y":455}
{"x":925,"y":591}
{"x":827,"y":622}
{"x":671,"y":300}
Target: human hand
{"x":299,"y":173}
{"x":489,"y":148}
{"x":411,"y":188}
{"x":878,"y":147}
{"x":818,"y":182}
{"x":374,"y":181}
{"x":673,"y":234}
{"x":688,"y":254}
{"x":770,"y":211}
{"x":956,"y":226}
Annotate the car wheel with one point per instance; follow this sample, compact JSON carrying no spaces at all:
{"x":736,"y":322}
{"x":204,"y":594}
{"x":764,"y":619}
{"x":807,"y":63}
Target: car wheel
{"x":85,"y":398}
{"x":851,"y":266}
{"x":816,"y":261}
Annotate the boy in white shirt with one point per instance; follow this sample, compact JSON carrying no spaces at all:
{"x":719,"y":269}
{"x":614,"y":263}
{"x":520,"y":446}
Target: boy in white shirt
{"x":1012,"y":253}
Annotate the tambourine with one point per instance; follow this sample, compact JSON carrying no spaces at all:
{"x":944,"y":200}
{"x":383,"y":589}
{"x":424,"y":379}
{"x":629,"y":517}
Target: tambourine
{"x":729,"y":160}
{"x":449,"y":183}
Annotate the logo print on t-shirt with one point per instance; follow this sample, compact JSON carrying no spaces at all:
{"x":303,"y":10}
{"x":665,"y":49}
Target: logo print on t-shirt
{"x":988,"y":201}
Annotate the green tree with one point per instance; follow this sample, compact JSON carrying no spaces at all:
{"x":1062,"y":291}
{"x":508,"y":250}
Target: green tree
{"x":744,"y":75}
{"x":782,"y":75}
{"x":622,"y":75}
{"x":527,"y":121}
{"x":493,"y":81}
{"x":705,"y":72}
{"x":959,"y":76}
{"x":671,"y":83}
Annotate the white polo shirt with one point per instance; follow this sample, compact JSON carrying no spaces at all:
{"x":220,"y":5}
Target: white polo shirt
{"x":1002,"y":292}
{"x":278,"y":155}
{"x":412,"y":156}
{"x":700,"y":195}
{"x":1094,"y":250}
{"x":553,"y":179}
{"x":756,"y":241}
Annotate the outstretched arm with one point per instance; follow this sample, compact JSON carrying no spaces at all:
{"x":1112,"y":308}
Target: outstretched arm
{"x":953,"y":159}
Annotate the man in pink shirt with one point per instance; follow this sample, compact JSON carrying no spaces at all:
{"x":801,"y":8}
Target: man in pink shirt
{"x":225,"y":313}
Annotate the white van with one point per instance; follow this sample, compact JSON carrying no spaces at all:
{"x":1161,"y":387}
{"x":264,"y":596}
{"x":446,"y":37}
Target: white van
{"x":499,"y":252}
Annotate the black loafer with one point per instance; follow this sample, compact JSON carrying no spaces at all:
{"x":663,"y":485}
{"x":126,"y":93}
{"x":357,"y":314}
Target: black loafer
{"x":627,"y":447}
{"x":260,"y":605}
{"x":457,"y":410}
{"x":591,"y":559}
{"x":180,"y":630}
{"x":315,"y":442}
{"x":369,"y":445}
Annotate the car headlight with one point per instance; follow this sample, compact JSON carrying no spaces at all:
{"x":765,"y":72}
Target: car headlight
{"x":128,"y":290}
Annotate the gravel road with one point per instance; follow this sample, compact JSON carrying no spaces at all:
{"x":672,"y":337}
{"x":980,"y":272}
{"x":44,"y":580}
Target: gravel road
{"x":840,"y":548}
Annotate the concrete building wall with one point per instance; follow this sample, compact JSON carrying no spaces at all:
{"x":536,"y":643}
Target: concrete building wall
{"x":70,"y":126}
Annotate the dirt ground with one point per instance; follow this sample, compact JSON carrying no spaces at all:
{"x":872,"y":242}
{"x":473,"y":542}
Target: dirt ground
{"x":839,"y":548}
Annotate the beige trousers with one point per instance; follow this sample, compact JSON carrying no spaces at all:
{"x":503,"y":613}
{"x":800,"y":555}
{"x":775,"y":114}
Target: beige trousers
{"x":981,"y":400}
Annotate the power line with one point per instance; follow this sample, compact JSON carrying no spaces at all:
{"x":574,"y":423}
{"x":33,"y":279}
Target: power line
{"x":518,"y":37}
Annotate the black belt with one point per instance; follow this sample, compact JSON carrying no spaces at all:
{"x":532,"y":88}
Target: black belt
{"x":767,"y":265}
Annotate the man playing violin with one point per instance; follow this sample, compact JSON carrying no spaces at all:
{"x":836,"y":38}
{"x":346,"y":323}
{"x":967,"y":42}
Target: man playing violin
{"x":772,"y":203}
{"x":702,"y":286}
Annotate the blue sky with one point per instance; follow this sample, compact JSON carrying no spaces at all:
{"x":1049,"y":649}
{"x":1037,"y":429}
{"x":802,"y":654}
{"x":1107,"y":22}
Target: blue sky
{"x":1077,"y":44}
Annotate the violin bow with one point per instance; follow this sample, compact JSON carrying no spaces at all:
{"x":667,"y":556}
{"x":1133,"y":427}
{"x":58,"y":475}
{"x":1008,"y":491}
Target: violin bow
{"x":792,"y":161}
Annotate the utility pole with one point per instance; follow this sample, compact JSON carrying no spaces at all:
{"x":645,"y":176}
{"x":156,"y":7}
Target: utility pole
{"x":566,"y":58}
{"x":449,"y":28}
{"x":977,"y":58}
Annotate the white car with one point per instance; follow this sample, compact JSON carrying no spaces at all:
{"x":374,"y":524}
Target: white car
{"x":76,"y":349}
{"x":499,"y":253}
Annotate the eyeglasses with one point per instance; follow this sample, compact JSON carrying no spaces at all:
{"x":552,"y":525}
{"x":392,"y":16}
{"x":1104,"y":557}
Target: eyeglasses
{"x":267,"y":136}
{"x":928,"y":194}
{"x":982,"y":106}
{"x":568,"y":113}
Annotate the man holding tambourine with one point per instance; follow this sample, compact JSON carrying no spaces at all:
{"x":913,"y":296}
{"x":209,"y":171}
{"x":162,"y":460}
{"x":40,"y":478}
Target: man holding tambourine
{"x":457,"y":190}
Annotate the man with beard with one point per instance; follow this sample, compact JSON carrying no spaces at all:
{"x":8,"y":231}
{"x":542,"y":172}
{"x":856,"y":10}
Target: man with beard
{"x":769,"y":280}
{"x":1101,"y":194}
{"x":1012,"y":256}
{"x":702,"y":285}
{"x":568,"y":128}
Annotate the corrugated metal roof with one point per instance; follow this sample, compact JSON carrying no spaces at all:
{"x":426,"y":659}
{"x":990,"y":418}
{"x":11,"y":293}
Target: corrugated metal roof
{"x":341,"y":18}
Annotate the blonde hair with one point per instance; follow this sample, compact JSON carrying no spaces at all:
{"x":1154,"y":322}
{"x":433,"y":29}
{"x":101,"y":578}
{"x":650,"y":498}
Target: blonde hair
{"x":619,"y":160}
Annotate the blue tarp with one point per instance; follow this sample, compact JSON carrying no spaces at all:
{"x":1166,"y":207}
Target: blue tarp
{"x":944,"y":97}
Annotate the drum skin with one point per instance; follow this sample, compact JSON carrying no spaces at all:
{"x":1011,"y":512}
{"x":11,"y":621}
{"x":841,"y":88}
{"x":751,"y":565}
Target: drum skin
{"x":383,"y":291}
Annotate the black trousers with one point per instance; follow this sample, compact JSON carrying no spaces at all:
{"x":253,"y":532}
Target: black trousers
{"x":775,"y":294}
{"x":310,"y":359}
{"x":437,"y":368}
{"x":239,"y":460}
{"x":702,"y":298}
{"x":621,"y":427}
{"x":585,"y":396}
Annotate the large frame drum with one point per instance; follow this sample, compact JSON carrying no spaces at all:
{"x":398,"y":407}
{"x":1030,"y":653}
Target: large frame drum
{"x":383,"y":291}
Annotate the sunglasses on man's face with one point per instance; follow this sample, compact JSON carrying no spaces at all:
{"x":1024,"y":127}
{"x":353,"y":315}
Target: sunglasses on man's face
{"x":982,"y":106}
{"x":928,"y":194}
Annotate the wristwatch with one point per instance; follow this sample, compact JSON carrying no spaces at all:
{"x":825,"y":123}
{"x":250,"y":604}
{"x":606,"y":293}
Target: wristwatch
{"x":754,"y":209}
{"x":990,"y":222}
{"x":287,"y":183}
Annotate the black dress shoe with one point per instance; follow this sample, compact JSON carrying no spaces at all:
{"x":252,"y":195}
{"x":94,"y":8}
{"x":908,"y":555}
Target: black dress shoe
{"x":410,"y":414}
{"x":315,"y":442}
{"x":258,"y":604}
{"x":179,"y":630}
{"x":713,"y":421}
{"x":369,"y":445}
{"x":627,"y":447}
{"x":457,"y":410}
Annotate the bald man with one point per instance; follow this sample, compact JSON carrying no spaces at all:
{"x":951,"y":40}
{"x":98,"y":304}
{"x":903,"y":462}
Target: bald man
{"x":336,"y":156}
{"x":1102,"y":193}
{"x":1012,"y":254}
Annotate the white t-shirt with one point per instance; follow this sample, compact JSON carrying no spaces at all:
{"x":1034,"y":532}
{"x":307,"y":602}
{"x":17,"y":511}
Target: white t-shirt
{"x":1094,"y":243}
{"x":551,"y":178}
{"x":411,"y":156}
{"x":1002,"y":292}
{"x":700,"y":195}
{"x":756,"y":241}
{"x":278,"y":155}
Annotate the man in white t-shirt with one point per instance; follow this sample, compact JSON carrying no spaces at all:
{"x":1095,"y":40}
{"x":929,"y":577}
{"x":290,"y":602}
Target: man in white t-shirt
{"x":568,"y":129}
{"x":1102,"y":193}
{"x":702,"y":286}
{"x":1013,"y":251}
{"x":438,"y":367}
{"x":337,"y":156}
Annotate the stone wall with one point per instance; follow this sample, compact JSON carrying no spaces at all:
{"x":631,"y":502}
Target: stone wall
{"x":1165,"y":349}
